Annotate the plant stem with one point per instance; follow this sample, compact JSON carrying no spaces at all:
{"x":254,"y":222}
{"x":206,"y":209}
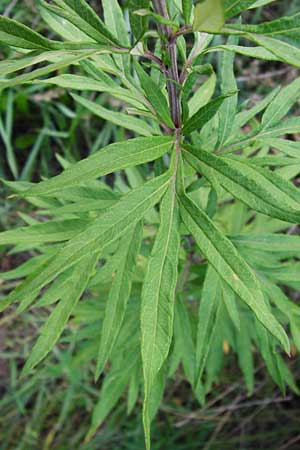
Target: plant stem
{"x":172,"y":68}
{"x":160,"y":8}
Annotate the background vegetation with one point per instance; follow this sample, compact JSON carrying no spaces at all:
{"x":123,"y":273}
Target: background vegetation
{"x":41,"y":129}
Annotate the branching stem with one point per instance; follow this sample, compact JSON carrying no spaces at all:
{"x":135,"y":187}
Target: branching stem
{"x":172,"y":68}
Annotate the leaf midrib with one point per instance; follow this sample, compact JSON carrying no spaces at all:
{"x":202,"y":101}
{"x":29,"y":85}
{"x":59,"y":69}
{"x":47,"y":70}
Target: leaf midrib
{"x":161,"y":275}
{"x":228,"y":175}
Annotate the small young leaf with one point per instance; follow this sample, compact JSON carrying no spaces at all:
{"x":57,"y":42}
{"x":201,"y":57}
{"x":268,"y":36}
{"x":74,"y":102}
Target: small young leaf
{"x":155,"y":96}
{"x":203,"y":95}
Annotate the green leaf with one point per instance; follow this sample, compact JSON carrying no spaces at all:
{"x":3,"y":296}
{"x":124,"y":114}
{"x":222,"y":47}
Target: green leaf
{"x":204,"y":115}
{"x":133,"y":389}
{"x":157,"y":393}
{"x":229,"y":264}
{"x":139,"y":24}
{"x":58,"y":319}
{"x":24,"y":269}
{"x":8,"y":66}
{"x":229,"y":298}
{"x":268,"y":353}
{"x":246,"y":115}
{"x":256,"y":187}
{"x":114,"y":157}
{"x":103,"y":231}
{"x":158,"y":297}
{"x":260,"y":3}
{"x":113,"y":387}
{"x":289,"y":148}
{"x":280,"y":300}
{"x":285,"y":26}
{"x":284,"y":51}
{"x":56,"y":289}
{"x":288,"y":126}
{"x":115,"y":22}
{"x":184,"y":336}
{"x":119,"y":294}
{"x":187,"y":6}
{"x":65,"y":60}
{"x":18,"y":35}
{"x":228,"y":109}
{"x":234,"y":7}
{"x":160,"y":19}
{"x":61,"y":26}
{"x":245,"y":357}
{"x":155,"y":96}
{"x":209,"y":16}
{"x":207,"y":312}
{"x":83,"y":83}
{"x":254,"y":51}
{"x":80,"y":14}
{"x":118,"y":118}
{"x":202,"y":96}
{"x":274,"y":243}
{"x":281,"y":104}
{"x":272,"y":36}
{"x":52,"y":231}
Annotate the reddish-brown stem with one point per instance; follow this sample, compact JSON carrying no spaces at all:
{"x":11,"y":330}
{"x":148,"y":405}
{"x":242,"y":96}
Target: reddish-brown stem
{"x":172,"y":69}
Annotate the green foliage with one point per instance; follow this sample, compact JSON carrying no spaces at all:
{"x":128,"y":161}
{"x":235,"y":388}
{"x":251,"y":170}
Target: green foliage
{"x":178,"y":227}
